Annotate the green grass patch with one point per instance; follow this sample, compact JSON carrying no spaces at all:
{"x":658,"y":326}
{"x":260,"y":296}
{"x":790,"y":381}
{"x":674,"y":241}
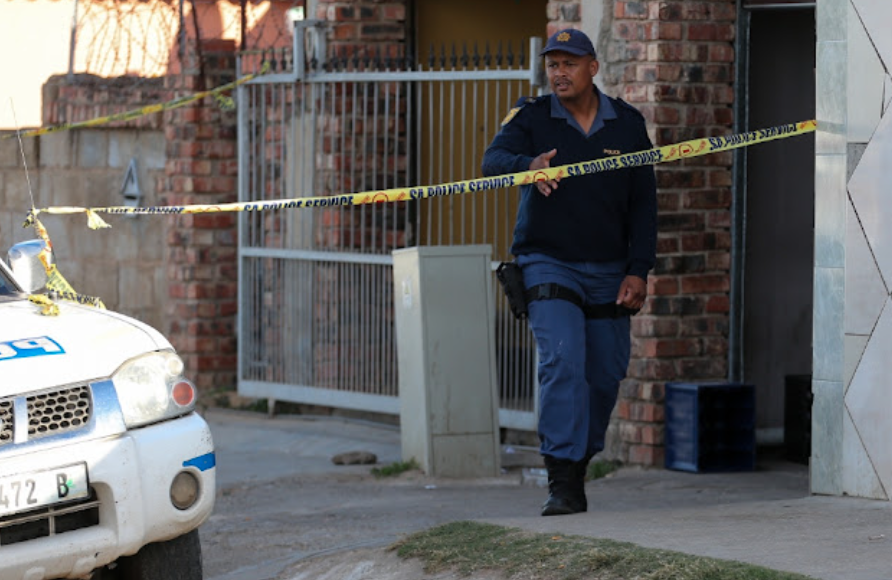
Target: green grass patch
{"x":468,"y":547}
{"x":599,"y":469}
{"x":394,"y":468}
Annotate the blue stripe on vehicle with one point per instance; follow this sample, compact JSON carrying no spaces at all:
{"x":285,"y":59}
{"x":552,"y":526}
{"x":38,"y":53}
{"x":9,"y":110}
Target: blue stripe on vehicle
{"x":202,"y":462}
{"x":28,"y":347}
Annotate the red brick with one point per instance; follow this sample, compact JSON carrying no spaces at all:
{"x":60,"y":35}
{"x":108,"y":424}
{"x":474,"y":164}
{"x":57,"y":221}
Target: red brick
{"x":680,"y":178}
{"x":393,"y":12}
{"x":670,"y":348}
{"x":699,"y":116}
{"x":718,"y":261}
{"x":382,"y":31}
{"x":650,"y":369}
{"x":719,"y":220}
{"x":635,"y":9}
{"x":706,"y":199}
{"x":721,"y":53}
{"x":670,"y":31}
{"x":705,"y":241}
{"x":648,"y":455}
{"x":724,"y":12}
{"x":692,"y":10}
{"x":667,"y":244}
{"x":344,"y":32}
{"x":649,"y":412}
{"x":635,"y":93}
{"x":662,"y":285}
{"x":198,"y":290}
{"x":667,"y":11}
{"x":703,"y":284}
{"x":651,"y":434}
{"x":623,"y":409}
{"x":667,"y":201}
{"x":702,"y":31}
{"x":713,"y":368}
{"x":340,"y":13}
{"x":654,"y":392}
{"x":187,"y":149}
{"x":651,"y":326}
{"x":718,"y":304}
{"x":666,"y":115}
{"x":630,"y":432}
{"x":723,"y":94}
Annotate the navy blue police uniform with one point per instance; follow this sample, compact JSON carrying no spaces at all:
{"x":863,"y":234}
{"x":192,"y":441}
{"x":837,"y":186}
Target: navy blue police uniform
{"x":586,"y":236}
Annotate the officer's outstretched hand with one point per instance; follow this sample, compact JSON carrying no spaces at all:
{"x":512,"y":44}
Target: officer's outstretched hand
{"x":543,"y":161}
{"x":632,"y":292}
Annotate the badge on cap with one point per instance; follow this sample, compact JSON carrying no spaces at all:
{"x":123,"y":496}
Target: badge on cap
{"x":563,"y":37}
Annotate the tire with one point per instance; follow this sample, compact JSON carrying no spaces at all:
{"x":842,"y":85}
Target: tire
{"x":176,"y":559}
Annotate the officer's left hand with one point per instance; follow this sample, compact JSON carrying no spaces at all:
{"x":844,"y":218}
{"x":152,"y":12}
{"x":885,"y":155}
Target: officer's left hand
{"x":543,"y":161}
{"x":632,"y":292}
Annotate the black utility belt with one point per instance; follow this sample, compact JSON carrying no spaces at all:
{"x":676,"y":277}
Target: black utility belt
{"x":558,"y":292}
{"x":510,"y":276}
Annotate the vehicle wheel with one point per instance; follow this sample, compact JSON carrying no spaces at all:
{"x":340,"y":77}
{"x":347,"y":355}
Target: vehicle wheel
{"x":176,"y":559}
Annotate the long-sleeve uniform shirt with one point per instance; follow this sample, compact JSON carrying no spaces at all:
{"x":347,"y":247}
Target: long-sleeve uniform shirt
{"x":600,"y":217}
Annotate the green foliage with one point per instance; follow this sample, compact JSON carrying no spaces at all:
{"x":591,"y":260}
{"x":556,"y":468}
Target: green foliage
{"x":395,"y":468}
{"x":599,"y":469}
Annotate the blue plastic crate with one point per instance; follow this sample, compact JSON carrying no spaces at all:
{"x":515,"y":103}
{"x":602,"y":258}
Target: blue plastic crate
{"x":710,"y":427}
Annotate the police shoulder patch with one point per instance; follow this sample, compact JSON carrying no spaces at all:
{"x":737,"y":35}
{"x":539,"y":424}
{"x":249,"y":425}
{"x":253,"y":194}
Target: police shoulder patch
{"x":520,"y":104}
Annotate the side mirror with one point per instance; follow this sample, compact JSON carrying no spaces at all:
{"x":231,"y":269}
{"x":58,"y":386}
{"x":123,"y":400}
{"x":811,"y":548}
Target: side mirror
{"x":24,"y":260}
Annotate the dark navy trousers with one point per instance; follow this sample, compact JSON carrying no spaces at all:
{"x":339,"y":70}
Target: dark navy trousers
{"x":581,"y":361}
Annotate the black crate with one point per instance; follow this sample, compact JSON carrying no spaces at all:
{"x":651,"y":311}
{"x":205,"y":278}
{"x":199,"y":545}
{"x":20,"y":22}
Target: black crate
{"x":797,"y":418}
{"x":710,"y":427}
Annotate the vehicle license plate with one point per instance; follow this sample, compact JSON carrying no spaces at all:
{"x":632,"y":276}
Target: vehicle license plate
{"x":27,"y":491}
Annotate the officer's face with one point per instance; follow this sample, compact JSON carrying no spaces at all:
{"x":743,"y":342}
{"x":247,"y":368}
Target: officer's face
{"x":570,"y":75}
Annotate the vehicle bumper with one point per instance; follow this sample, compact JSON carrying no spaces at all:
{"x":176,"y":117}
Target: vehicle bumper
{"x":131,"y":475}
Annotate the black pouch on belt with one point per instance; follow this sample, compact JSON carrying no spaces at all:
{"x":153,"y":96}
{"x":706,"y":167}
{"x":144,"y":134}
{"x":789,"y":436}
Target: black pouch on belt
{"x":511,"y":278}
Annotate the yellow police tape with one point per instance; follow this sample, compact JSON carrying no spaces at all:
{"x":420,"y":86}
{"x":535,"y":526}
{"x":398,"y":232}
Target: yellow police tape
{"x":142,"y":111}
{"x":685,"y":150}
{"x":56,"y":282}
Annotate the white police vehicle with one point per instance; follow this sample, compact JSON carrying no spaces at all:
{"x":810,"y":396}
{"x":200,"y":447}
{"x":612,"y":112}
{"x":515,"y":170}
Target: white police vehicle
{"x":106,"y":471}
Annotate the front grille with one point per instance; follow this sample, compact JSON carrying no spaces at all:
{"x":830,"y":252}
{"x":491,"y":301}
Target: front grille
{"x":49,"y":521}
{"x":54,"y":412}
{"x":6,"y":421}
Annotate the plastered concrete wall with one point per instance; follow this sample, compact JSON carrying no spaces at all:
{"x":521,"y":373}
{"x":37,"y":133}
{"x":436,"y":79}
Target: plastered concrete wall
{"x":123,"y":265}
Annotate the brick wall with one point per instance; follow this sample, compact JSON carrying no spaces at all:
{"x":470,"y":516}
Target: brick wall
{"x":365,"y":26}
{"x":84,"y":97}
{"x":674,"y":62}
{"x":202,"y":168}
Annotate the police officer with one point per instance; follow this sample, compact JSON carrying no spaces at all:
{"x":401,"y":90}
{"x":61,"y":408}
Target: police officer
{"x":585,"y":245}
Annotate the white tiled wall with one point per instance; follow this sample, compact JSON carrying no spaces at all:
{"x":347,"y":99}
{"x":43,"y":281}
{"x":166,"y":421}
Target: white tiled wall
{"x":851,"y":422}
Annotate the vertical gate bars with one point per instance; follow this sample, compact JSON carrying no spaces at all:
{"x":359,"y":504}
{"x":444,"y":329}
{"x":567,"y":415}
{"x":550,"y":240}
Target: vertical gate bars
{"x":315,"y":293}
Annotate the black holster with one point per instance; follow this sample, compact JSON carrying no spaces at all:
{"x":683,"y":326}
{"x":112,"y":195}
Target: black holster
{"x":510,"y":276}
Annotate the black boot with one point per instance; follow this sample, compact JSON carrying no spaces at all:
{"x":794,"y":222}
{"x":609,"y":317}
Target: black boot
{"x":577,"y":484}
{"x":562,"y":500}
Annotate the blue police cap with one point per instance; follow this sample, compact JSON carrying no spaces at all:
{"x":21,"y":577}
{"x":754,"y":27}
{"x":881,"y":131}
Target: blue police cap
{"x":569,"y":40}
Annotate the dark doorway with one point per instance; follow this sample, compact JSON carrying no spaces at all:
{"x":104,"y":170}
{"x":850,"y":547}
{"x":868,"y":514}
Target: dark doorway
{"x":778,"y":243}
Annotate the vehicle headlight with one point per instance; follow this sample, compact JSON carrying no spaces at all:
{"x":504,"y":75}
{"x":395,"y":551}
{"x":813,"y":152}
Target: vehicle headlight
{"x":152,"y":388}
